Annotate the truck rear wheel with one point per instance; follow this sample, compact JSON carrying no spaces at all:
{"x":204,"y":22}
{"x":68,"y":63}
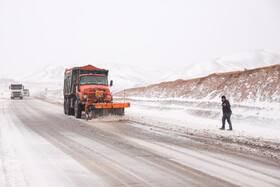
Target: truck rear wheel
{"x":68,"y":109}
{"x":78,"y":109}
{"x":65,"y":110}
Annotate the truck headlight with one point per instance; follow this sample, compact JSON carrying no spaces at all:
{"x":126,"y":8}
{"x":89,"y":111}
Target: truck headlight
{"x":108,"y":96}
{"x":85,"y":96}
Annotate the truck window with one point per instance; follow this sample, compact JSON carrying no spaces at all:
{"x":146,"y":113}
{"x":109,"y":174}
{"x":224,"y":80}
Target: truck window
{"x":16,"y":87}
{"x":97,"y":80}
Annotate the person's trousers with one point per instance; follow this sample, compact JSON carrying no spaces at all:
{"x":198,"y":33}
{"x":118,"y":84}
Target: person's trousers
{"x":226,"y":116}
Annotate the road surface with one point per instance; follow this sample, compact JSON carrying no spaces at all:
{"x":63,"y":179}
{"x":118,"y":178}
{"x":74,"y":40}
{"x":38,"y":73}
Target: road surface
{"x":41,"y":146}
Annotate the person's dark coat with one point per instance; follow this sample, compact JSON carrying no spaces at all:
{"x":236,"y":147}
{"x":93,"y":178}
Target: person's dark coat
{"x":226,"y":109}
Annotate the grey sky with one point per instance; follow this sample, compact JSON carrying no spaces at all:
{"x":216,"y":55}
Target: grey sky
{"x":34,"y":33}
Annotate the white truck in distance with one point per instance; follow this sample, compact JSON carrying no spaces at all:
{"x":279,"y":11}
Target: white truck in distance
{"x":16,"y":91}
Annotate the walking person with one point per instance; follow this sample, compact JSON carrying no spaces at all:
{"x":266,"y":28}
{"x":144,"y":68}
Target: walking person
{"x":226,"y":113}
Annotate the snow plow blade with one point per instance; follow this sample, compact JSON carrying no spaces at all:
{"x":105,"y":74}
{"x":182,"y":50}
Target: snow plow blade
{"x":93,"y":110}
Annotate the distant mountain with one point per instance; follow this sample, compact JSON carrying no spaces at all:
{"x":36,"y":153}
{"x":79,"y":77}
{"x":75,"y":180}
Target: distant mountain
{"x":236,"y":62}
{"x":49,"y":73}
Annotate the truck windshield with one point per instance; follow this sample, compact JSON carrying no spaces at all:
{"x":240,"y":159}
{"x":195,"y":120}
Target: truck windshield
{"x":16,"y":87}
{"x":97,"y":80}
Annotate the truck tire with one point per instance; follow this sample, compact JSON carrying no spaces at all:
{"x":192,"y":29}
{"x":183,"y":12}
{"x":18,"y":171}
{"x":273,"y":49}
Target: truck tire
{"x":65,"y":110}
{"x":21,"y":97}
{"x":78,"y":109}
{"x":12,"y":97}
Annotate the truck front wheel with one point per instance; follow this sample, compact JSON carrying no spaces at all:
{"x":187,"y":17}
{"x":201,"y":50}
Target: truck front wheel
{"x":78,"y":109}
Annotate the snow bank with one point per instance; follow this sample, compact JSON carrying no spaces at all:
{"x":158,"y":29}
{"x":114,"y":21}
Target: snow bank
{"x":204,"y":117}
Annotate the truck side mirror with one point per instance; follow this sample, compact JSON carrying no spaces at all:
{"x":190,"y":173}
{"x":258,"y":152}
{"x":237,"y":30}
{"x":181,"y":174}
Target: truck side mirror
{"x":111,"y":83}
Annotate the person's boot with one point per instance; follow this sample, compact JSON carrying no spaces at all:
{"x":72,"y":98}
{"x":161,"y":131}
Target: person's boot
{"x":222,"y":128}
{"x":230,"y":129}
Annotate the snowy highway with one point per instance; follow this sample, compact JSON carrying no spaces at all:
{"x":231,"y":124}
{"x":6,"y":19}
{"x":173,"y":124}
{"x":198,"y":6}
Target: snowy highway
{"x":41,"y":146}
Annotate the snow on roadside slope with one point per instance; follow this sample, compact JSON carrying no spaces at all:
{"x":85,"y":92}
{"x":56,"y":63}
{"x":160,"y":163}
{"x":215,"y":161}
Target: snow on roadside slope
{"x":256,"y":85}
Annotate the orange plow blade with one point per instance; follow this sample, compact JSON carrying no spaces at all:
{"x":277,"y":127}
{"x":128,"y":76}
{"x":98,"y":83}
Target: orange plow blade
{"x":92,"y":110}
{"x":111,"y":105}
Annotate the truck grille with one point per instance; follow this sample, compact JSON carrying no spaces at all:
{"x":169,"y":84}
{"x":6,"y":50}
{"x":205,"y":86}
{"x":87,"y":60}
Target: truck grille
{"x":94,"y":96}
{"x":16,"y":93}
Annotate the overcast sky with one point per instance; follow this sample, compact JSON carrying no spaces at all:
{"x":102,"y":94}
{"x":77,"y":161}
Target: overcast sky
{"x":34,"y":33}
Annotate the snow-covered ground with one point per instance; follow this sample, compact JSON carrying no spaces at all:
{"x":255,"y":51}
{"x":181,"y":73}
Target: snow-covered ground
{"x":201,"y":117}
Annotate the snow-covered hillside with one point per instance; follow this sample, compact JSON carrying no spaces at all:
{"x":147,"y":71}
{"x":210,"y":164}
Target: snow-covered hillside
{"x":128,"y":76}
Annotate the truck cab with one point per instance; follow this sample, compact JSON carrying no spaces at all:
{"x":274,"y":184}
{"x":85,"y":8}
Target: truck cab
{"x":16,"y":91}
{"x":94,"y":83}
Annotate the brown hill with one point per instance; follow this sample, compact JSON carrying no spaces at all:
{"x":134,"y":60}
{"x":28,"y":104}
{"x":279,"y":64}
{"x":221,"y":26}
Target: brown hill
{"x":261,"y":84}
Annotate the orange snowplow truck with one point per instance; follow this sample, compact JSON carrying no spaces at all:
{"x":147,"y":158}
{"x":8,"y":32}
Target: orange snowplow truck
{"x":86,"y":90}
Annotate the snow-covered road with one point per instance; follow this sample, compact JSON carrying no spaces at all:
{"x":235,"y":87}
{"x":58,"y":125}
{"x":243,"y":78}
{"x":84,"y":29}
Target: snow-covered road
{"x":40,"y":146}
